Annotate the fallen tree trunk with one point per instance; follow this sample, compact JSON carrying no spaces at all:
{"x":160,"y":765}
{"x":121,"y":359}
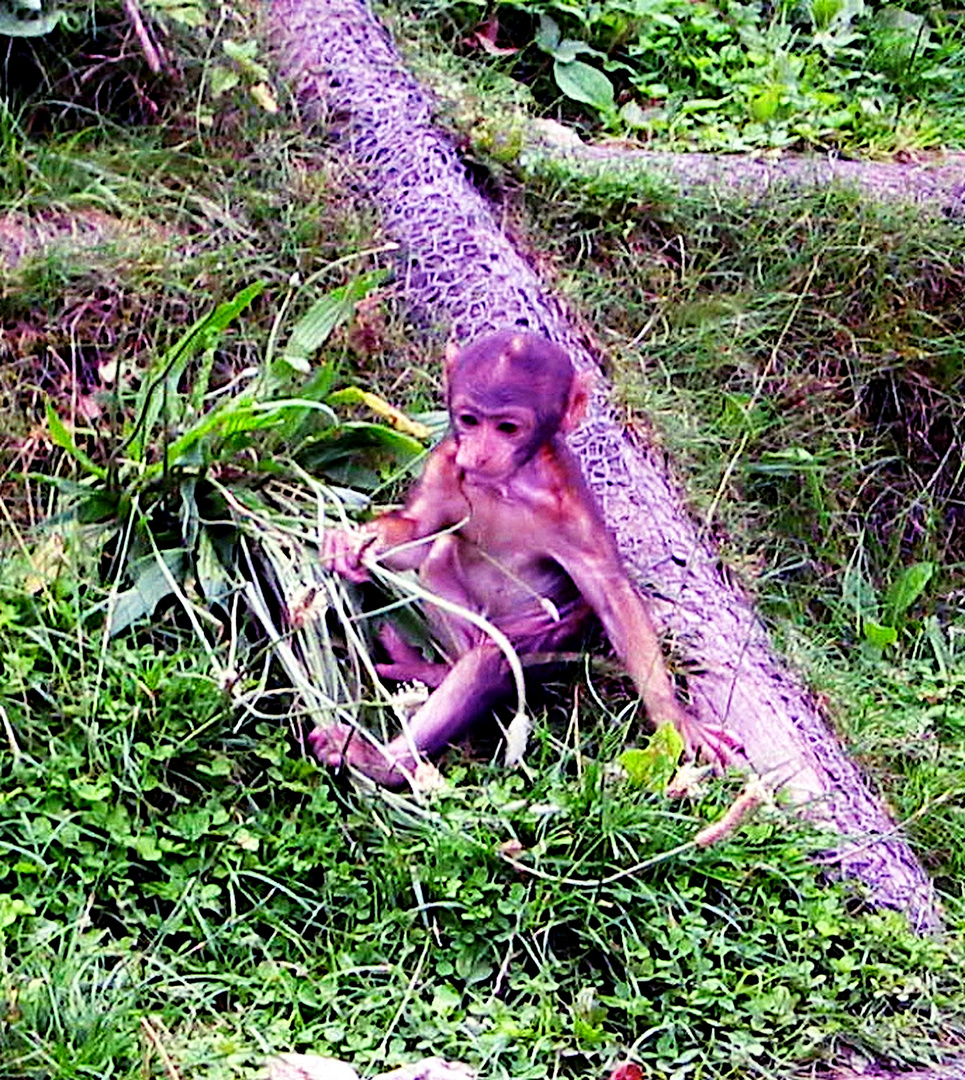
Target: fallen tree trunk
{"x":931,"y":183}
{"x":460,"y":270}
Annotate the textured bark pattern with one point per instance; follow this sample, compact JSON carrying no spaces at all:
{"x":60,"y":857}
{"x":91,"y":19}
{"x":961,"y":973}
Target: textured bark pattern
{"x":461,"y":272}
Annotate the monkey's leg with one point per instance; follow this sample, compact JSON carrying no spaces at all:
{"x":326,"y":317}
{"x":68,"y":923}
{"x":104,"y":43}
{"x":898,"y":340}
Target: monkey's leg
{"x":475,"y":682}
{"x":406,"y":662}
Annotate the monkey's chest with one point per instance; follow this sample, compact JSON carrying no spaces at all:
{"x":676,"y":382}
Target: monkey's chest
{"x":503,"y":574}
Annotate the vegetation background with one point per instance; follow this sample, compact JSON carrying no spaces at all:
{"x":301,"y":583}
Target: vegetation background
{"x":201,"y":334}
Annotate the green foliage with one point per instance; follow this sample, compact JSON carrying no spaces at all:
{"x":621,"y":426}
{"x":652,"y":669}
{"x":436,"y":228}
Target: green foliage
{"x":734,"y":76}
{"x":155,"y":497}
{"x":802,"y":360}
{"x":176,"y":874}
{"x":170,"y":862}
{"x":653,"y":766}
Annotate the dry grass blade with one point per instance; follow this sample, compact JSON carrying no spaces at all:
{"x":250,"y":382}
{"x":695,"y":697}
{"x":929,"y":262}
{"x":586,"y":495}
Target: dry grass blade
{"x":315,"y":624}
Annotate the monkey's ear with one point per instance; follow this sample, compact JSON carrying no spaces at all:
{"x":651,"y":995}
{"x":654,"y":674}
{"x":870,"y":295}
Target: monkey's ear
{"x":449,"y":360}
{"x":580,"y":390}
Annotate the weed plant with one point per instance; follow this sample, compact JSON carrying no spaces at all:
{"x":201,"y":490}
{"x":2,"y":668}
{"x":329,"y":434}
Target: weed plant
{"x":176,"y":871}
{"x":719,"y":75}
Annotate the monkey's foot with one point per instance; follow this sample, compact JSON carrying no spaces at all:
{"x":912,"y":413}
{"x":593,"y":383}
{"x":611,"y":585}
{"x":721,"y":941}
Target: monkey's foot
{"x":714,"y":743}
{"x":406,"y":663}
{"x":717,"y":745}
{"x":339,"y":745}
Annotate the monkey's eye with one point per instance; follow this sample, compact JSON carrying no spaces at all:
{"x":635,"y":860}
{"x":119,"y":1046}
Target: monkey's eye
{"x":468,"y":420}
{"x":507,"y":427}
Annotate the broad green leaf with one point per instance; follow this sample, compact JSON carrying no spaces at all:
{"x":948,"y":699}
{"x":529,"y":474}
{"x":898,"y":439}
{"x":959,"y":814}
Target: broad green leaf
{"x":859,"y":594}
{"x":357,"y":455}
{"x":13,"y":908}
{"x":147,"y":847}
{"x":216,"y":585}
{"x":548,"y":34}
{"x":329,"y":311}
{"x":906,"y":28}
{"x":569,"y":49}
{"x":566,"y":52}
{"x":588,"y":85}
{"x":763,"y":106}
{"x":222,"y":79}
{"x":653,"y":766}
{"x":187,"y":14}
{"x":150,"y":588}
{"x":878,"y":636}
{"x":160,"y":386}
{"x":906,"y":589}
{"x":696,"y":105}
{"x":824,"y":12}
{"x":316,"y":389}
{"x":96,"y":506}
{"x":244,"y":53}
{"x":237,"y":417}
{"x":314,"y":328}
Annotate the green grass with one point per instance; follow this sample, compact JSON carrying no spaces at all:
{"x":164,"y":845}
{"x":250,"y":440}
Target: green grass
{"x":178,"y":877}
{"x":171,"y":860}
{"x":802,"y":361}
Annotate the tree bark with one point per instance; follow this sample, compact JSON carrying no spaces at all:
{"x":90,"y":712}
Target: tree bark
{"x":462,"y":274}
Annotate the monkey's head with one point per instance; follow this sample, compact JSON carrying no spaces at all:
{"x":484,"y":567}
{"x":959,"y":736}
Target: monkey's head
{"x":510,"y":393}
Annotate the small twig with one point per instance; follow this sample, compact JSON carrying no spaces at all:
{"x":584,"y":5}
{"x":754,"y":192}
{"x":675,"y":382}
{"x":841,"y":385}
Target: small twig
{"x":151,"y":52}
{"x":596,"y":883}
{"x":154,"y":1039}
{"x":753,"y":794}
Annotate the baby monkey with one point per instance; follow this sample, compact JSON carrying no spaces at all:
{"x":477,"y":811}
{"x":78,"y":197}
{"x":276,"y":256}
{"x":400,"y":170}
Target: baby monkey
{"x":511,"y":532}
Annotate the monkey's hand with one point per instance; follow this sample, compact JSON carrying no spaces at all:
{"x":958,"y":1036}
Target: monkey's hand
{"x":342,"y":551}
{"x":339,"y":744}
{"x":718,"y":746}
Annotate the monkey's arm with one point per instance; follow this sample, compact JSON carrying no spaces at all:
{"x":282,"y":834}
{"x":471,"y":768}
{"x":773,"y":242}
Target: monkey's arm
{"x":434,"y":503}
{"x":587,"y":553}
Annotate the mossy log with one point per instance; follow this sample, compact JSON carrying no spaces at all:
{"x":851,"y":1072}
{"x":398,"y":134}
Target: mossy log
{"x":929,"y":183}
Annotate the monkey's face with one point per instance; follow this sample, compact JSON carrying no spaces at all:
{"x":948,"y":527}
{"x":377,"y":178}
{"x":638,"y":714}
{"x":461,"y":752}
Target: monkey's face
{"x":492,"y":444}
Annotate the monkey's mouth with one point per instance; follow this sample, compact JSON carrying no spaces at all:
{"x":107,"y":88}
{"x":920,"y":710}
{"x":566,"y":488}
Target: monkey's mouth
{"x":484,"y":478}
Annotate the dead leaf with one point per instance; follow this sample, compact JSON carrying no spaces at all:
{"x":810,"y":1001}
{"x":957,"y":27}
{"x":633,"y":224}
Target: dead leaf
{"x":485,"y":37}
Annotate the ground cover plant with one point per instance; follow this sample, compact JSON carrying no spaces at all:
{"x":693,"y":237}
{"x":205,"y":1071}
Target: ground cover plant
{"x":721,"y":75}
{"x":182,"y":888}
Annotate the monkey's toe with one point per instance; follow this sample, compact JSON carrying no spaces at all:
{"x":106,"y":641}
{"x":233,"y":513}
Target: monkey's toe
{"x":339,"y":745}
